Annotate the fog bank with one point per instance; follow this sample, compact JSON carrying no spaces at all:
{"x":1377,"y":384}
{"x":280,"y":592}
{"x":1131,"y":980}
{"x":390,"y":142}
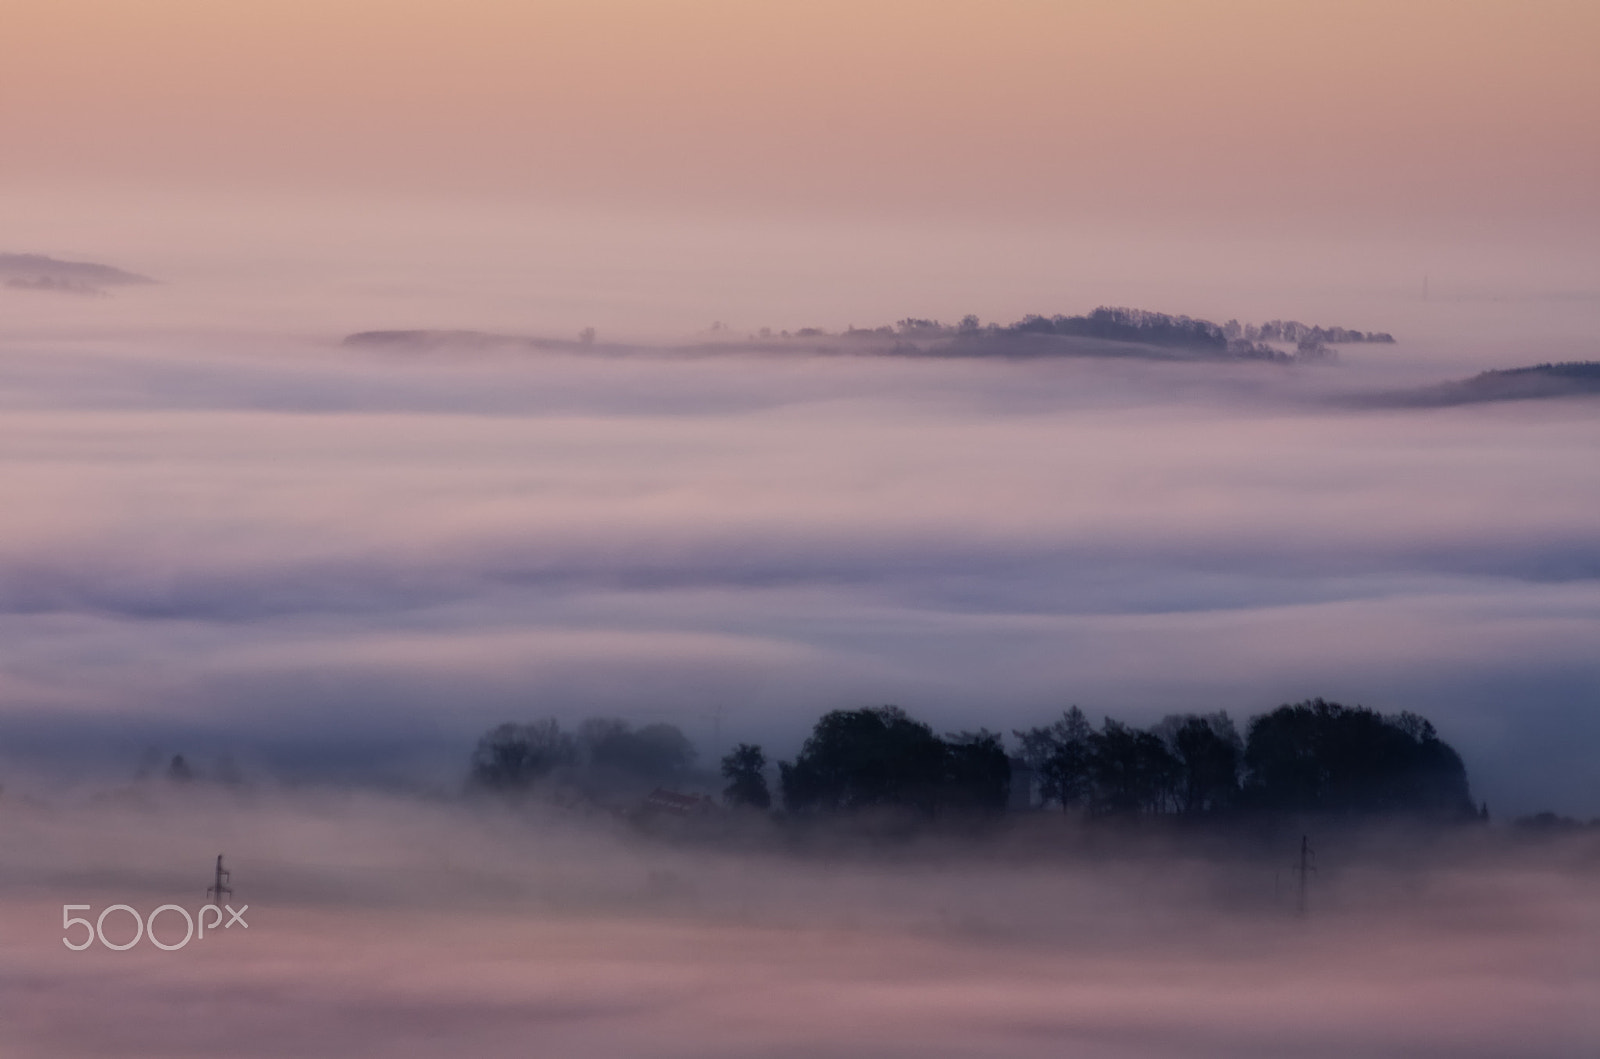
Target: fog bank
{"x":399,"y":927}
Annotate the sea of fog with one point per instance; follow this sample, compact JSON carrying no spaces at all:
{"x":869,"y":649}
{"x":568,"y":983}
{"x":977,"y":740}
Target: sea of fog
{"x":251,"y":543}
{"x":321,"y":571}
{"x":377,"y":925}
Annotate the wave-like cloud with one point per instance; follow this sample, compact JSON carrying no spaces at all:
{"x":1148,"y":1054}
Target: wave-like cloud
{"x":269,"y":544}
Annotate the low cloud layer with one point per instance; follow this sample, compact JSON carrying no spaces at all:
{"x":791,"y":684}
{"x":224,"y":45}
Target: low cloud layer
{"x":382,"y":926}
{"x":339,"y":561}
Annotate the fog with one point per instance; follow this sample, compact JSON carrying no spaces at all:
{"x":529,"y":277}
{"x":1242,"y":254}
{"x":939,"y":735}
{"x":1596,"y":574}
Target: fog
{"x":229,"y":534}
{"x":327,"y":569}
{"x":346,"y":562}
{"x":386,"y":926}
{"x":425,"y":429}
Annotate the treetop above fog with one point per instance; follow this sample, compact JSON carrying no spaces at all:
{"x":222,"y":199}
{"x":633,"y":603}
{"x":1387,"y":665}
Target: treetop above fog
{"x":1309,"y":757}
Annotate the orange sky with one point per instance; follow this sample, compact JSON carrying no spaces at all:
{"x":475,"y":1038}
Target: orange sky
{"x":1437,"y":116}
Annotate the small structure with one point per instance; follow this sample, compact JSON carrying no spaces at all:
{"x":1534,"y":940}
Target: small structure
{"x":220,"y":887}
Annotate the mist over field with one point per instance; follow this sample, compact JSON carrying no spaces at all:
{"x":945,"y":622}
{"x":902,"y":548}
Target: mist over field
{"x":393,"y":926}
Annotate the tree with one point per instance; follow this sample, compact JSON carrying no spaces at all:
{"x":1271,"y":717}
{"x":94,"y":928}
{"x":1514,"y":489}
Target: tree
{"x":1208,"y":750}
{"x":1131,"y":771}
{"x":1059,"y":753}
{"x":867,"y":757}
{"x":1128,"y":325}
{"x":656,"y":753}
{"x":878,"y":756}
{"x":744,"y":768}
{"x":977,"y":772}
{"x":1319,"y":756}
{"x":514,"y":756}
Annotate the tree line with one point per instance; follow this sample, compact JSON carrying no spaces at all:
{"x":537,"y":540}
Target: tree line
{"x":1314,"y":756}
{"x":1310,"y":757}
{"x":1247,"y":341}
{"x":604,"y":755}
{"x":1295,"y":331}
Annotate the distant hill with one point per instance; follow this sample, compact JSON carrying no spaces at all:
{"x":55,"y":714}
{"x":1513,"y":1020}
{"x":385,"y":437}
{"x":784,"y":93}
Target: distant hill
{"x":38,"y":272}
{"x":1105,"y":332}
{"x":1573,"y":379}
{"x":861,"y":342}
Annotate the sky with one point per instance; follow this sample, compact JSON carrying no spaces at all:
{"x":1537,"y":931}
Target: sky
{"x":1428,"y":119}
{"x":230,"y":534}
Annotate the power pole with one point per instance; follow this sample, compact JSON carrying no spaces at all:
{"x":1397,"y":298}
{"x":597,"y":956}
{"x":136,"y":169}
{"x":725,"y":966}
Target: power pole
{"x":219,"y":887}
{"x":1304,"y":869}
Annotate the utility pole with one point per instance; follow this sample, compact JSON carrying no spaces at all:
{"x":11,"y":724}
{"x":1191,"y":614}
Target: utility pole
{"x":215,"y":891}
{"x":1304,"y":869}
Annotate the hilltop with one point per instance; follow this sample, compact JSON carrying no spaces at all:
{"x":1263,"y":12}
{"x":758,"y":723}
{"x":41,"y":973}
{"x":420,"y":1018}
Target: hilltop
{"x":1537,"y":381}
{"x":1106,"y":332}
{"x":38,"y":272}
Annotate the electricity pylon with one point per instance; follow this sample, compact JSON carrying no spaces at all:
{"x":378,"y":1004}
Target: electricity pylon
{"x":219,"y":887}
{"x":1307,"y":865}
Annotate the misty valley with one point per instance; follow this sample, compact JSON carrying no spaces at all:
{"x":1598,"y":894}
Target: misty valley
{"x":532,"y":694}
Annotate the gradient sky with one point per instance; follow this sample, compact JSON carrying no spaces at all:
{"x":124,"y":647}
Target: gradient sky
{"x":1437,"y":119}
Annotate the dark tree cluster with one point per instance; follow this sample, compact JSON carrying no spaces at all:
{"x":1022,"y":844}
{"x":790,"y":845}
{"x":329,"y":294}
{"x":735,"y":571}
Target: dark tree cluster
{"x":1322,"y":757}
{"x":1302,"y":334}
{"x":656,"y":753}
{"x":1114,"y":324}
{"x":1186,"y":764}
{"x":745,"y":769}
{"x":515,"y":756}
{"x":604,"y":753}
{"x":1129,"y":325}
{"x":880,"y":757}
{"x":1314,"y":757}
{"x":1244,"y":349}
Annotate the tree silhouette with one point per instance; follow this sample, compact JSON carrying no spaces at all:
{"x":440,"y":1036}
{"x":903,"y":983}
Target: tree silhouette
{"x":1319,"y":756}
{"x":656,"y":753}
{"x":1209,"y":752}
{"x":878,"y":756}
{"x":1131,"y":771}
{"x":1129,"y":325}
{"x":744,"y":767}
{"x":977,"y":772}
{"x":513,"y":756}
{"x":1059,"y":753}
{"x":865,"y":757}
